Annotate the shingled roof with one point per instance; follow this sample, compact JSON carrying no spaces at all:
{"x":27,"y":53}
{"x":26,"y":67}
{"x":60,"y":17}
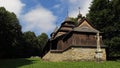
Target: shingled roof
{"x":85,"y":29}
{"x":85,"y":26}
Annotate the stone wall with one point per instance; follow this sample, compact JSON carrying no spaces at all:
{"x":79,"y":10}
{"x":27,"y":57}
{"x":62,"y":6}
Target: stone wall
{"x":74,"y":54}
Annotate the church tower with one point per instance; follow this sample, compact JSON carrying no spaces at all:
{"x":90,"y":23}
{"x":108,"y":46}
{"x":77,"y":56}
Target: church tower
{"x":79,"y":17}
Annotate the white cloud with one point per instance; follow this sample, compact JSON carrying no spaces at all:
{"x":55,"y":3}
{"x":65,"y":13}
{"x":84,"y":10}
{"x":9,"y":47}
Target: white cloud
{"x":74,"y":4}
{"x":73,"y":1}
{"x":56,"y":6}
{"x":39,"y":19}
{"x":12,"y":5}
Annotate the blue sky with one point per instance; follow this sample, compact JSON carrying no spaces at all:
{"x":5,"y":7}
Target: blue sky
{"x":44,"y":15}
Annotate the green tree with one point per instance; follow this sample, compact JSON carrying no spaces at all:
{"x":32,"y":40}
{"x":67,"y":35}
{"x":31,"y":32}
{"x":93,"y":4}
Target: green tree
{"x":14,"y":43}
{"x":114,"y":46}
{"x":42,"y":40}
{"x":10,"y":33}
{"x":31,"y":47}
{"x":99,"y":13}
{"x":105,"y":15}
{"x":115,"y":11}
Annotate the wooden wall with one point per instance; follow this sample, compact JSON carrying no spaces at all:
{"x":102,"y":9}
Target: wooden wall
{"x":77,"y":39}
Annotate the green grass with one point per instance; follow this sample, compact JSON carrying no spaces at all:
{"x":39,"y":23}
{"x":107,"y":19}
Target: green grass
{"x":38,"y":63}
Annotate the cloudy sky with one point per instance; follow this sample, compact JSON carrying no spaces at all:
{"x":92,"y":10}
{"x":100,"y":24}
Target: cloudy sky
{"x":44,"y":15}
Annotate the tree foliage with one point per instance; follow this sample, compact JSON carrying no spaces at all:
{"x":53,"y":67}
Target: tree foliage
{"x":14,"y":43}
{"x":31,"y":47}
{"x":42,"y":40}
{"x":105,"y":15}
{"x":10,"y":33}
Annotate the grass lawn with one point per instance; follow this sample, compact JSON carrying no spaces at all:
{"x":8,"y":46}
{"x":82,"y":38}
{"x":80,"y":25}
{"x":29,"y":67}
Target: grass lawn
{"x":38,"y":63}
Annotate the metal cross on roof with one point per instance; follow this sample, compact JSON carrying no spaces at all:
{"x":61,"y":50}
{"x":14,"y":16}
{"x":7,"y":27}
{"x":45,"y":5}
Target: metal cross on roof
{"x":67,"y":13}
{"x":79,"y":9}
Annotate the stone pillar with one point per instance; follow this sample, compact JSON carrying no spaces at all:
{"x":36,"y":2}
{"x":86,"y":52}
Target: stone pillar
{"x":99,"y":52}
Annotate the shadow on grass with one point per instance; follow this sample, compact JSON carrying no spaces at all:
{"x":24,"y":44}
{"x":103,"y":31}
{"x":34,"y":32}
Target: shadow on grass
{"x":15,"y":63}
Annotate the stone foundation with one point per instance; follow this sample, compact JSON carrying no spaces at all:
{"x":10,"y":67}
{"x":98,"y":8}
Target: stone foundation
{"x":74,"y":54}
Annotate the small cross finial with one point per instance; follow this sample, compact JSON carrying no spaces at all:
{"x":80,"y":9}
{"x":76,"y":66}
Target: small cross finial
{"x":67,"y":13}
{"x":79,"y":9}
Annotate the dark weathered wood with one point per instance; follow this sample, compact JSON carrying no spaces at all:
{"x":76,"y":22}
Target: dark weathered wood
{"x":76,"y":39}
{"x":66,"y":36}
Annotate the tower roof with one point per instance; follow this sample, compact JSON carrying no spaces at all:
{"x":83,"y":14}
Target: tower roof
{"x":79,"y":15}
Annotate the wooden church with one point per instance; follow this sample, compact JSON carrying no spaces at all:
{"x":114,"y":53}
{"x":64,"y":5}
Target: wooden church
{"x":71,"y":42}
